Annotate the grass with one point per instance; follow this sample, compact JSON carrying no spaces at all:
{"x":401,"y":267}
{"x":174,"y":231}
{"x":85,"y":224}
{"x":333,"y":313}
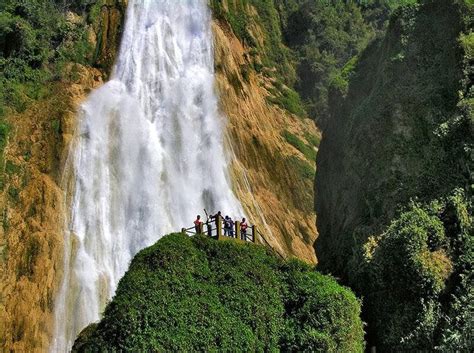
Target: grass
{"x":303,"y":168}
{"x":290,"y":100}
{"x":312,"y":139}
{"x":307,"y":150}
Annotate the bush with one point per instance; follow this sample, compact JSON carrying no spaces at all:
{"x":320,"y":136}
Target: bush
{"x":402,"y":276}
{"x":198,"y":294}
{"x":321,"y":315}
{"x":308,"y":151}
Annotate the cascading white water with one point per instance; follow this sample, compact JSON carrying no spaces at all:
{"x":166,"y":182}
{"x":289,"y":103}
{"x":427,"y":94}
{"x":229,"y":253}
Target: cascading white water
{"x":149,"y":155}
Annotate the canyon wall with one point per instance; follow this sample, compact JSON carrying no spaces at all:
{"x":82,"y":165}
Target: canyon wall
{"x":394,"y":181}
{"x":265,"y":171}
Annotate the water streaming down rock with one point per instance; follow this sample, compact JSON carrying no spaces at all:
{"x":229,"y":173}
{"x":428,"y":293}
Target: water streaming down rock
{"x":149,"y":155}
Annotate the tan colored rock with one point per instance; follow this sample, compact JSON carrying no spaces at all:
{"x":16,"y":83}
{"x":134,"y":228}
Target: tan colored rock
{"x":34,"y":207}
{"x":263,"y":180}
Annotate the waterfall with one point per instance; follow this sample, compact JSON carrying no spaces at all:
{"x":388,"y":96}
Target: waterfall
{"x":148,"y":155}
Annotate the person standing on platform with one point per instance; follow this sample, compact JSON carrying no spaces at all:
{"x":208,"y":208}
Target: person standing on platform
{"x":228,"y":226}
{"x":243,"y":229}
{"x":198,"y":225}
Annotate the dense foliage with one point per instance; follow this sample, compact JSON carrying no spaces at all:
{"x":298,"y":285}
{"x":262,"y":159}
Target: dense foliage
{"x":190,"y":294}
{"x":404,"y":132}
{"x":38,"y":42}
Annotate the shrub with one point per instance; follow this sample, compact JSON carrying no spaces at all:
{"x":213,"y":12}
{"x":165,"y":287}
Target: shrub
{"x":322,"y":316}
{"x":402,"y":275}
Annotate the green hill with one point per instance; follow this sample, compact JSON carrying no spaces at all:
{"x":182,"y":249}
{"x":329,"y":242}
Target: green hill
{"x":198,"y":294}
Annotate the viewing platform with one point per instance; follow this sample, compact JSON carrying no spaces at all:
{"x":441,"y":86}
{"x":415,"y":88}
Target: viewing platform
{"x":215,"y":229}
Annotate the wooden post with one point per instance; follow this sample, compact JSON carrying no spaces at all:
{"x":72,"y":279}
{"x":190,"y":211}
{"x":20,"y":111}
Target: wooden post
{"x":219,"y":227}
{"x":237,"y":229}
{"x":209,"y":228}
{"x":254,"y":233}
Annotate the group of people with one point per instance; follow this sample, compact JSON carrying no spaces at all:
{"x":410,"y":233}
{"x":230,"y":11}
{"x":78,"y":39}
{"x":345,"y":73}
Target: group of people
{"x":228,"y":222}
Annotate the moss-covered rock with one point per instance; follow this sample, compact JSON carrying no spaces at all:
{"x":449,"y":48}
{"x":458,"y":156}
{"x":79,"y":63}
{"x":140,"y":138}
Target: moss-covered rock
{"x":189,"y":294}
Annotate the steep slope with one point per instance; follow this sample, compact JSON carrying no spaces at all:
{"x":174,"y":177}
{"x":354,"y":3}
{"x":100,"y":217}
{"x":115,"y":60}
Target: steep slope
{"x":274,"y":149}
{"x":404,"y":132}
{"x":40,"y":117}
{"x":199,"y":294}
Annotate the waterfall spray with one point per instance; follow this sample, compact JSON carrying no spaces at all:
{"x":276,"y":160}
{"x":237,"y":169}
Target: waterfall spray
{"x":148,"y":155}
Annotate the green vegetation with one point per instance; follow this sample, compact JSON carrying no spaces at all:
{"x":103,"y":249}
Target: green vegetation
{"x":312,"y":139}
{"x":304,"y":169}
{"x":35,"y":41}
{"x":312,"y":46}
{"x":325,"y":36}
{"x":308,"y":151}
{"x":11,"y":168}
{"x":269,"y":48}
{"x":394,"y":181}
{"x":38,"y":41}
{"x":197,"y":294}
{"x":290,"y":100}
{"x":268,"y":54}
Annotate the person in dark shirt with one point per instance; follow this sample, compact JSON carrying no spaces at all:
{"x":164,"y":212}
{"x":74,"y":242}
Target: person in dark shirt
{"x":243,"y":229}
{"x":228,"y":226}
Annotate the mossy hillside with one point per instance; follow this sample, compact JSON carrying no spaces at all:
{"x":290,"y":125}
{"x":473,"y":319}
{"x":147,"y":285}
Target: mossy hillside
{"x":404,"y":132}
{"x":189,"y":294}
{"x":256,"y":23}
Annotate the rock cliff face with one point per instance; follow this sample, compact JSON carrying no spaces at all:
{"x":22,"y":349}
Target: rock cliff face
{"x":384,"y":145}
{"x":34,"y":213}
{"x":33,"y":199}
{"x":267,"y":177}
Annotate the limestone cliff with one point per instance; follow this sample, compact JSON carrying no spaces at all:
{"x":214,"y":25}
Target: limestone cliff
{"x":33,"y":191}
{"x":266,"y":171}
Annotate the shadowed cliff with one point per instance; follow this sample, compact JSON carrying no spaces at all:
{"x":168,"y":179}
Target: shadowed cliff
{"x":394,"y":181}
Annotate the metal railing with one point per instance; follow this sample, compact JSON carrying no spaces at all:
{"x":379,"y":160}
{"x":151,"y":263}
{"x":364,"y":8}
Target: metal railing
{"x":214,"y":229}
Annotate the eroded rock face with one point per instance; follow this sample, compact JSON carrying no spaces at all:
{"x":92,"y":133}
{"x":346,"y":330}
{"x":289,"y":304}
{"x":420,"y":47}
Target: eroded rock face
{"x":265,"y":180}
{"x":108,"y":30}
{"x":34,"y":193}
{"x":34,"y":204}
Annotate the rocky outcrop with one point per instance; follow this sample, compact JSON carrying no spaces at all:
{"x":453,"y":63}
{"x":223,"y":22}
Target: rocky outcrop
{"x":34,"y":210}
{"x":107,"y":30}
